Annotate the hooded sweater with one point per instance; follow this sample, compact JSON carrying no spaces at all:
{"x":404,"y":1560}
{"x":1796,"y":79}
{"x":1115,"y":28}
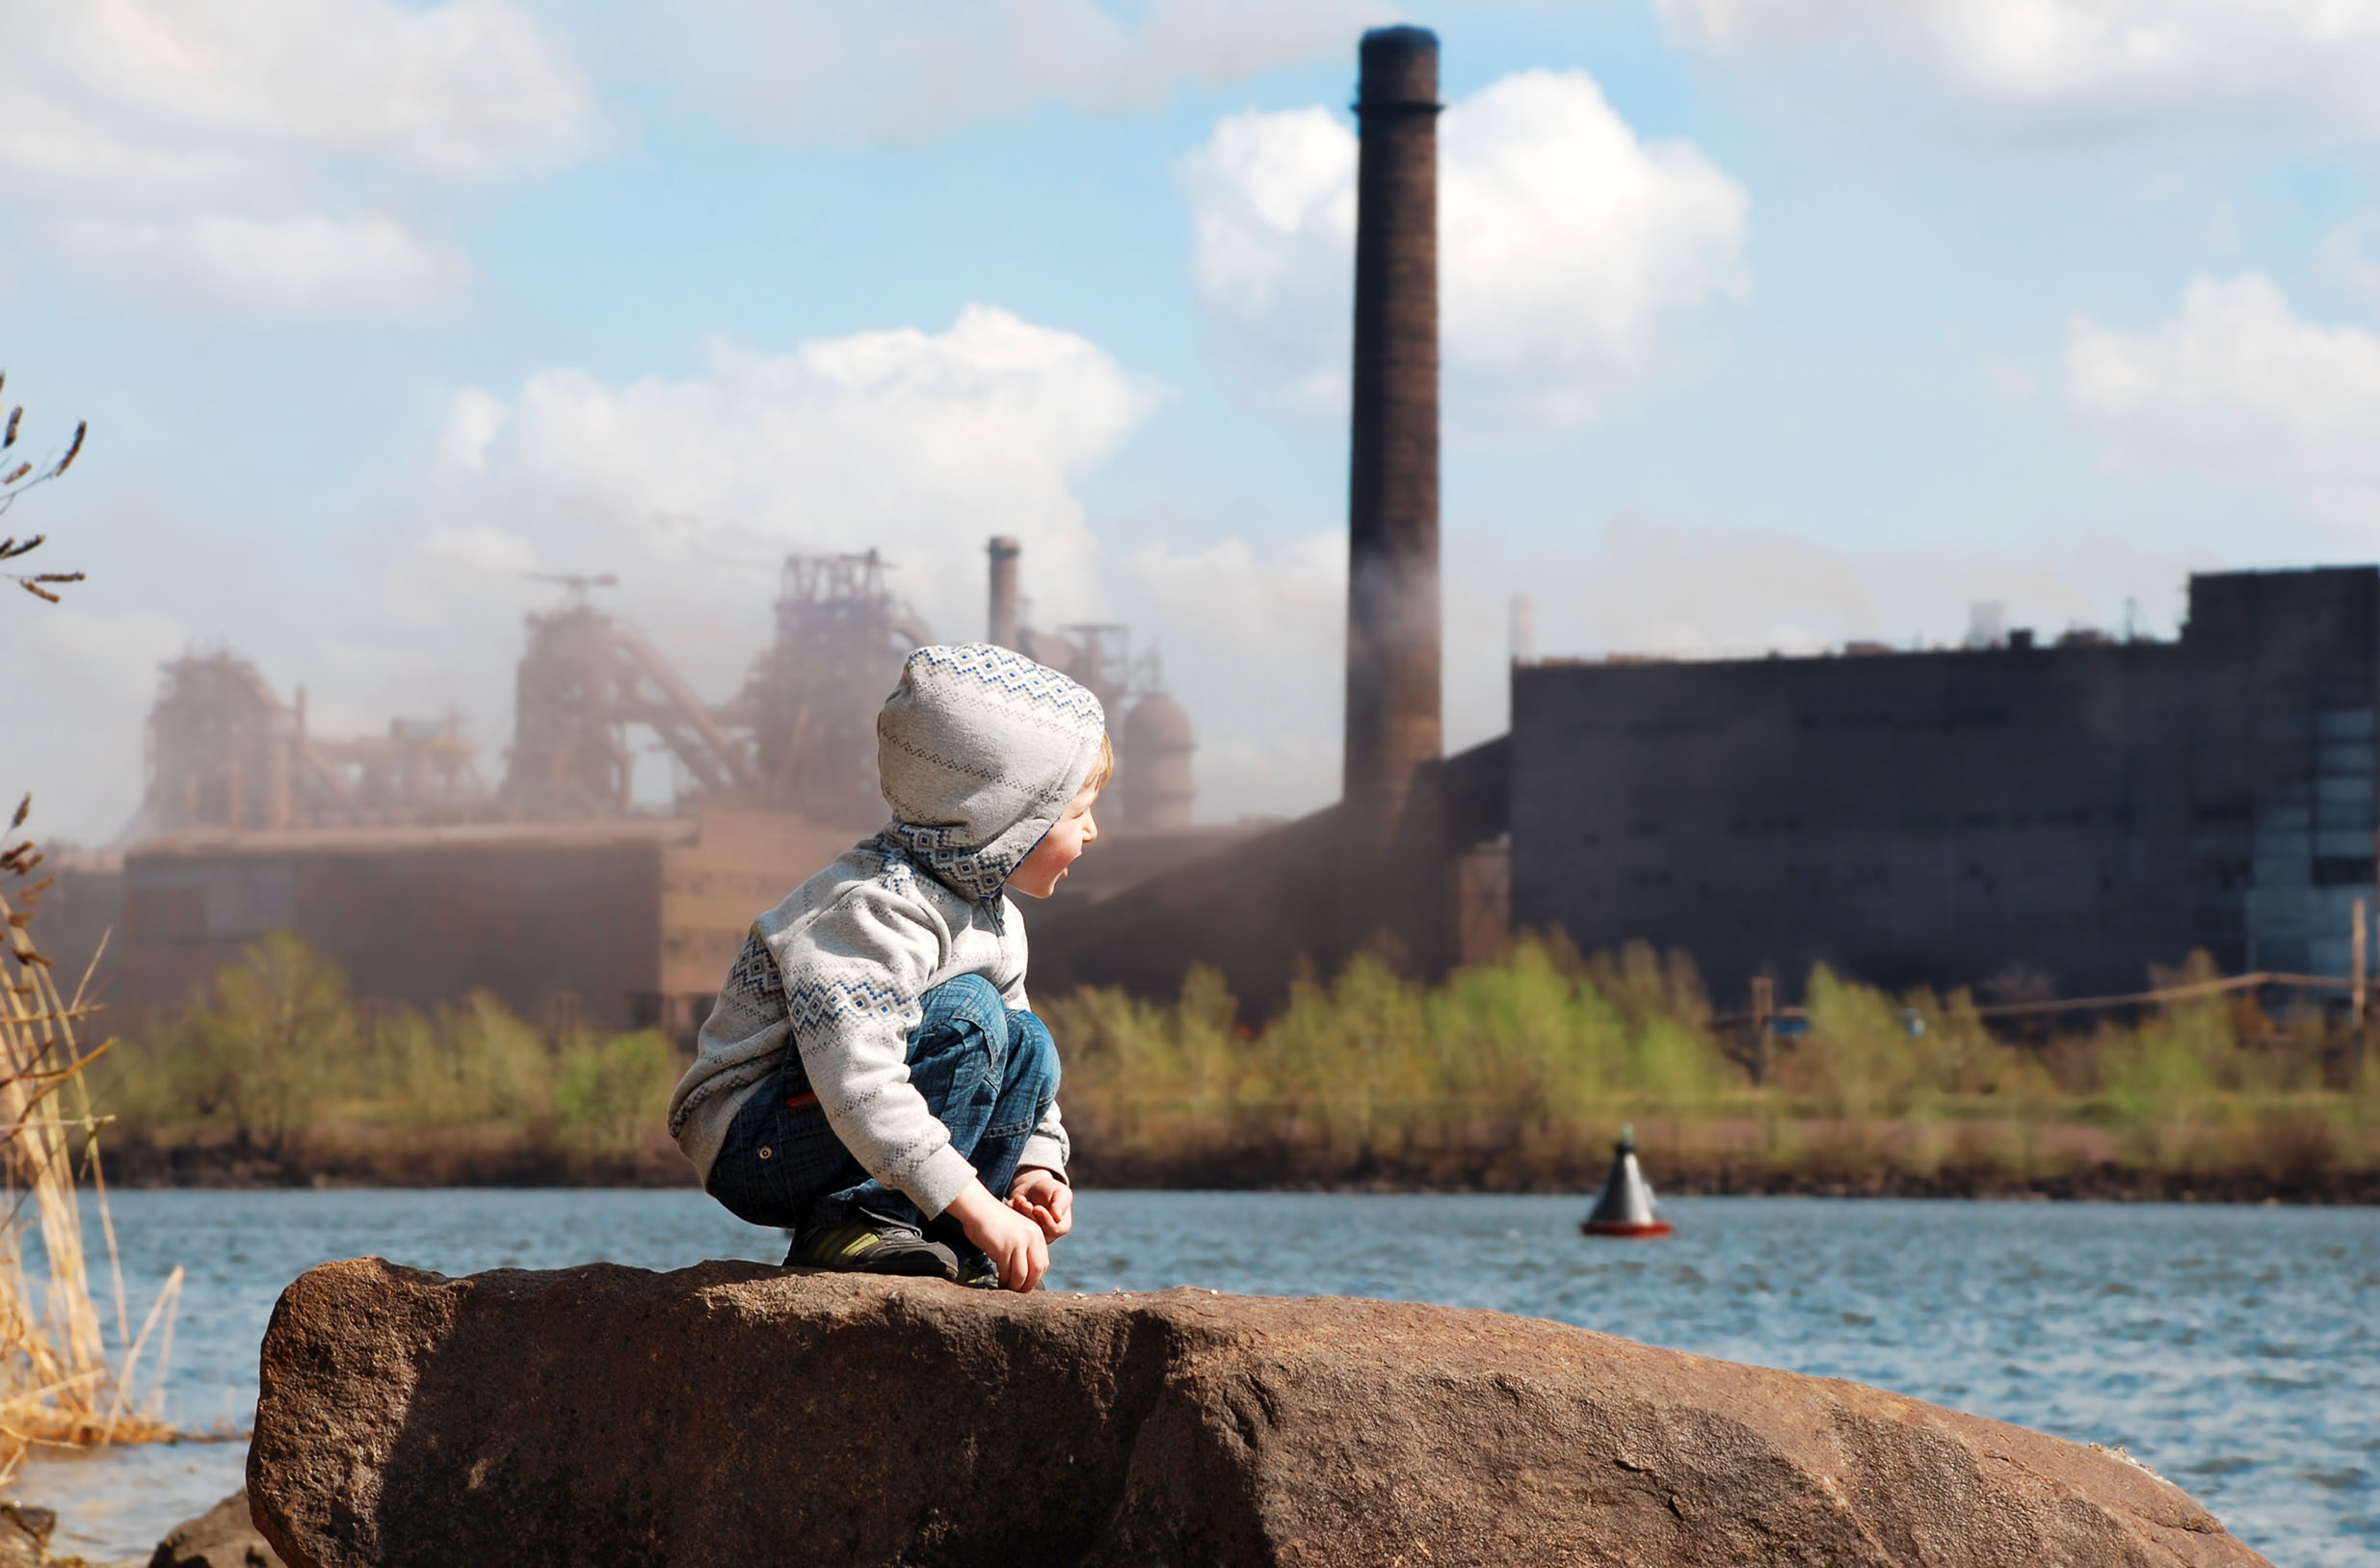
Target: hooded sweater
{"x":980,"y":751}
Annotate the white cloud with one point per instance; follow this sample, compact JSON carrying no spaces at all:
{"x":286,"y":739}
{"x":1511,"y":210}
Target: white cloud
{"x":2349,"y":255}
{"x":810,"y":69}
{"x":1271,"y":202}
{"x":178,"y":91}
{"x":473,"y":425}
{"x":2237,"y":383}
{"x":693,"y":491}
{"x":286,"y":266}
{"x":1565,"y":243}
{"x":2072,"y":67}
{"x":185,"y":143}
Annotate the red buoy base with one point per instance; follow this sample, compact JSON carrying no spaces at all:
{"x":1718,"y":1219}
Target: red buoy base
{"x":1614,"y":1227}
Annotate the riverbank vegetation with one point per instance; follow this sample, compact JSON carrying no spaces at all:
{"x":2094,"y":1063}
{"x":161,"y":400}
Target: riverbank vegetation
{"x":1510,"y":1075}
{"x":278,"y":1074}
{"x":1517,"y":1073}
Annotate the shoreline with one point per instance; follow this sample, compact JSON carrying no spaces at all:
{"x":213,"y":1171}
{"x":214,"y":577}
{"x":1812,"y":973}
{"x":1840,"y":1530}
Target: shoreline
{"x":228,"y":1168}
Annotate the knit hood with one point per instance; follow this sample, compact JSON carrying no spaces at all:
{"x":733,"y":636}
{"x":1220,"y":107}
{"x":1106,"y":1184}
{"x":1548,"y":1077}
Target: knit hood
{"x":980,"y":749}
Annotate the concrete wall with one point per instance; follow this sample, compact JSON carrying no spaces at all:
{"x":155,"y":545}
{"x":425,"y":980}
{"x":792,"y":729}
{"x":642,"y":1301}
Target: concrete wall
{"x":76,"y":919}
{"x":2076,"y":813}
{"x":714,"y":884}
{"x":620,"y":924}
{"x":559,"y":922}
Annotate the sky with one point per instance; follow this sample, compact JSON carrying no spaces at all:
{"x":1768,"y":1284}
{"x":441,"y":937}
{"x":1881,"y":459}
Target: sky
{"x":1767,"y":324}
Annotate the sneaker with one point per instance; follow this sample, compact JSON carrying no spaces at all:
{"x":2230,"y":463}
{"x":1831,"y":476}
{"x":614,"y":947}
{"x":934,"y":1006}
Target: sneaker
{"x":975,"y":1270}
{"x":872,"y":1245}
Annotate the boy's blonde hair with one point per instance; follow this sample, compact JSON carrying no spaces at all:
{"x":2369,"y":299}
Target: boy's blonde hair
{"x":1104,"y":769}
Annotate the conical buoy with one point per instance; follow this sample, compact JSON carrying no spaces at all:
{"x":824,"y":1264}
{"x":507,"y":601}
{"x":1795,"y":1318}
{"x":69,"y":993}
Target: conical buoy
{"x":1624,"y":1205}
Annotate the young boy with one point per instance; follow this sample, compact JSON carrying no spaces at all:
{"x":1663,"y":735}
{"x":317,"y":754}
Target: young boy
{"x":871,"y":1078}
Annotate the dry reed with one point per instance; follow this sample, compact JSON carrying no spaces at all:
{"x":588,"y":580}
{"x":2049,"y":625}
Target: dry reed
{"x":58,"y":1385}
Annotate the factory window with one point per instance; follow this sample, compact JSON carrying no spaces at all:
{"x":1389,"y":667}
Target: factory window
{"x":2343,"y":871}
{"x":2350,"y":761}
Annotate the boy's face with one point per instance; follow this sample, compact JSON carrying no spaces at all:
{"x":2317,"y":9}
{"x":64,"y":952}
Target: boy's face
{"x":1037,"y":875}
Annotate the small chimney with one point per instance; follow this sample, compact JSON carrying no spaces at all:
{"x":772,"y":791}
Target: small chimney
{"x":1004,"y":552}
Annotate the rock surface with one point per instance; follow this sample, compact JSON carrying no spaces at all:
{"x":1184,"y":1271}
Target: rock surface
{"x":223,"y":1536}
{"x":24,"y":1535}
{"x":732,"y":1413}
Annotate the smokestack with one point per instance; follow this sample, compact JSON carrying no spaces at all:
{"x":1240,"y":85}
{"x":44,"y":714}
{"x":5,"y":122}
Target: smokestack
{"x":1004,"y":552}
{"x":1392,"y":692}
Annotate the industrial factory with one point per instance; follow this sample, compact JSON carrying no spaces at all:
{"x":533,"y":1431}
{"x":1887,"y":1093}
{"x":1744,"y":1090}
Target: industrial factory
{"x":2071,"y":811}
{"x":552,"y":885}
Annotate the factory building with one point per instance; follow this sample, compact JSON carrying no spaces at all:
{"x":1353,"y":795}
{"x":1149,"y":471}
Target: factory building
{"x":2060,"y":816}
{"x":613,"y":923}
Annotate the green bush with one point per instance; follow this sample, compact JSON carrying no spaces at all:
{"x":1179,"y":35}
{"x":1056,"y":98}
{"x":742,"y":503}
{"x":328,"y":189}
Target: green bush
{"x":474,"y":1062}
{"x":277,"y":1045}
{"x":607,"y":1088}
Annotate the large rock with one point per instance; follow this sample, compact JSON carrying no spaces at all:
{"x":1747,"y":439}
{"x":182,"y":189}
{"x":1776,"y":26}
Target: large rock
{"x":24,"y":1535}
{"x":225,"y":1537}
{"x":732,"y":1413}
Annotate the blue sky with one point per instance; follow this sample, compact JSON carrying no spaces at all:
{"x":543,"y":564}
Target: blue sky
{"x":1770,"y":323}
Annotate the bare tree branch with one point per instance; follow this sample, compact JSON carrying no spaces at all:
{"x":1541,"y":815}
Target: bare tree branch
{"x":20,"y":477}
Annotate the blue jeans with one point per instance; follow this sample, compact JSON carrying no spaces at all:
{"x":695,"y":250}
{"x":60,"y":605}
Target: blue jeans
{"x":988,"y":1075}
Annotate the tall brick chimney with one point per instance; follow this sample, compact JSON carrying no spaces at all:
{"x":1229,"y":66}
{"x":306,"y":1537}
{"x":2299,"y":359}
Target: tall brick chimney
{"x":1393,"y":613}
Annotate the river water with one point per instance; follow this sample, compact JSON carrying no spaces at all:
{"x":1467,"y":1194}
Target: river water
{"x":2235,"y":1350}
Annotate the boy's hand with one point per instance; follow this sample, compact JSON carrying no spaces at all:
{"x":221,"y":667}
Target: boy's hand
{"x":1045,"y":1200}
{"x":1013,"y":1242}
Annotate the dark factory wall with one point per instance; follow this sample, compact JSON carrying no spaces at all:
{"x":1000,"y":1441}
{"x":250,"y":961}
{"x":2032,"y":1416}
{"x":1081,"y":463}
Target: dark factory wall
{"x":1919,"y":817}
{"x":2284,"y":667}
{"x":2073,"y":813}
